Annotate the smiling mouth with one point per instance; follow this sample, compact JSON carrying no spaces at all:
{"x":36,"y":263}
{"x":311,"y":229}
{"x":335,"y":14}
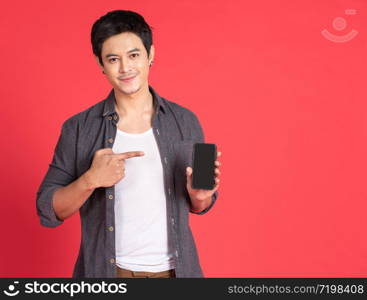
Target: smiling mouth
{"x":127,"y":79}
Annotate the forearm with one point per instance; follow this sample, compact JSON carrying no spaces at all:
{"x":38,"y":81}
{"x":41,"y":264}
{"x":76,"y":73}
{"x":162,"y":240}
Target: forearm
{"x":68,"y":199}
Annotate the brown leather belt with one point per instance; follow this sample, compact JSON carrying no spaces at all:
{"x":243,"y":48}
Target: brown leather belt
{"x":124,"y":273}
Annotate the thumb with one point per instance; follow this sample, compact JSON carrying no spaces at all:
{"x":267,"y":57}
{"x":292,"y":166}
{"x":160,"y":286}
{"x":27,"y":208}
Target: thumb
{"x":188,"y":177}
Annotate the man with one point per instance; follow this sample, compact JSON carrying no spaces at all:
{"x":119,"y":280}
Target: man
{"x":125,"y":165}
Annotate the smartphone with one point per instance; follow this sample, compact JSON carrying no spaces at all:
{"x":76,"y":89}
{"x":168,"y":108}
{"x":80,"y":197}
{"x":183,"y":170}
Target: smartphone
{"x":204,"y":156}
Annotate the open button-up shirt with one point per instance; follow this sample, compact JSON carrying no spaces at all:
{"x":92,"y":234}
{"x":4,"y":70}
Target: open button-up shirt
{"x":175,"y":129}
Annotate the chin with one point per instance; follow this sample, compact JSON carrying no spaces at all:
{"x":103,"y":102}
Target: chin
{"x":128,"y":90}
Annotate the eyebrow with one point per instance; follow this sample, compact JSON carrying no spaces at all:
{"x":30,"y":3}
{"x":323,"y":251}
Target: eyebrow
{"x":132,"y":50}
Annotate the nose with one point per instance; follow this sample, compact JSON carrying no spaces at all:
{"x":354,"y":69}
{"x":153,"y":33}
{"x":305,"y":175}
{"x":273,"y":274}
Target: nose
{"x":124,"y":66}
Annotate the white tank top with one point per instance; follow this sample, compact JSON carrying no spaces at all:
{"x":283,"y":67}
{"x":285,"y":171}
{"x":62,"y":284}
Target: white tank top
{"x":140,"y":207}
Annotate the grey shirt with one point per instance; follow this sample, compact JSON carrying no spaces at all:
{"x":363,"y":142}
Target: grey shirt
{"x":175,"y":129}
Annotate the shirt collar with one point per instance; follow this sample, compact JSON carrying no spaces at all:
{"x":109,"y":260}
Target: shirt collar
{"x":109,"y":105}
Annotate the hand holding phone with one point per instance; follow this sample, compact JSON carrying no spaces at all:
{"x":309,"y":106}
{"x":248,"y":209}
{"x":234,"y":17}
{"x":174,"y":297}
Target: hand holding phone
{"x":204,"y":156}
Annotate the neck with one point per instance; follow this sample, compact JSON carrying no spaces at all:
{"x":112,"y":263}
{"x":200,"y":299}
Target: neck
{"x":138,"y":103}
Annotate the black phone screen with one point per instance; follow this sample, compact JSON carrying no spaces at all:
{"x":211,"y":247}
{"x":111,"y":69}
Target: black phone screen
{"x":204,"y":156}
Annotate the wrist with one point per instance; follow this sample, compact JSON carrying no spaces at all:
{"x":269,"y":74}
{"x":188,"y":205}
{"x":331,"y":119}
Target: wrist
{"x":199,"y":204}
{"x":89,"y":180}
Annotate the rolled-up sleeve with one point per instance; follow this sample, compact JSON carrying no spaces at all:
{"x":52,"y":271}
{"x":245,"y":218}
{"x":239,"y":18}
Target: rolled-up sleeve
{"x":199,"y":137}
{"x":60,"y":173}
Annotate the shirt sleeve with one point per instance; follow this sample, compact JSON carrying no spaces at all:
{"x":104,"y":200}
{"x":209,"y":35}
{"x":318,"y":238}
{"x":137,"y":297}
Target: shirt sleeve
{"x":199,"y":137}
{"x":60,"y":173}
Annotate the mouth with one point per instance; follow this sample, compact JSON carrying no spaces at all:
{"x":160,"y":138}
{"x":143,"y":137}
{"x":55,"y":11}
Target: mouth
{"x":126,"y":79}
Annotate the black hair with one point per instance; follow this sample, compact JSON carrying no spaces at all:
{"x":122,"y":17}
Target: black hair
{"x":116,"y":22}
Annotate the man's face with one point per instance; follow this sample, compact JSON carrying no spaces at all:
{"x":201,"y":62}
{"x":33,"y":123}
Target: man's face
{"x":126,"y":63}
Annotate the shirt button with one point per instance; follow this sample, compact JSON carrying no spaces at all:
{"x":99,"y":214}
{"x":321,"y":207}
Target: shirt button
{"x":173,"y":221}
{"x":109,"y":118}
{"x":110,"y":228}
{"x":165,"y":159}
{"x":176,"y":253}
{"x":110,"y":197}
{"x":169,"y":191}
{"x":112,"y":260}
{"x":157,"y":131}
{"x":110,"y":140}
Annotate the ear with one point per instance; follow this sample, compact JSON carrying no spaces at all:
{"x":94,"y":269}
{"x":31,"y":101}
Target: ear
{"x":151,"y":54}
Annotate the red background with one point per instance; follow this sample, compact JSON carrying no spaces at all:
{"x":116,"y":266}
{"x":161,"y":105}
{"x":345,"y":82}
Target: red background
{"x":286,"y":107}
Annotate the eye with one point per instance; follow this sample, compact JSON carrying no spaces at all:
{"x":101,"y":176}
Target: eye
{"x":134,"y":55}
{"x":110,"y":60}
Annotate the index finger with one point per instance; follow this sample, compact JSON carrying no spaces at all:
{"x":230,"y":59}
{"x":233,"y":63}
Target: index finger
{"x":128,"y":154}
